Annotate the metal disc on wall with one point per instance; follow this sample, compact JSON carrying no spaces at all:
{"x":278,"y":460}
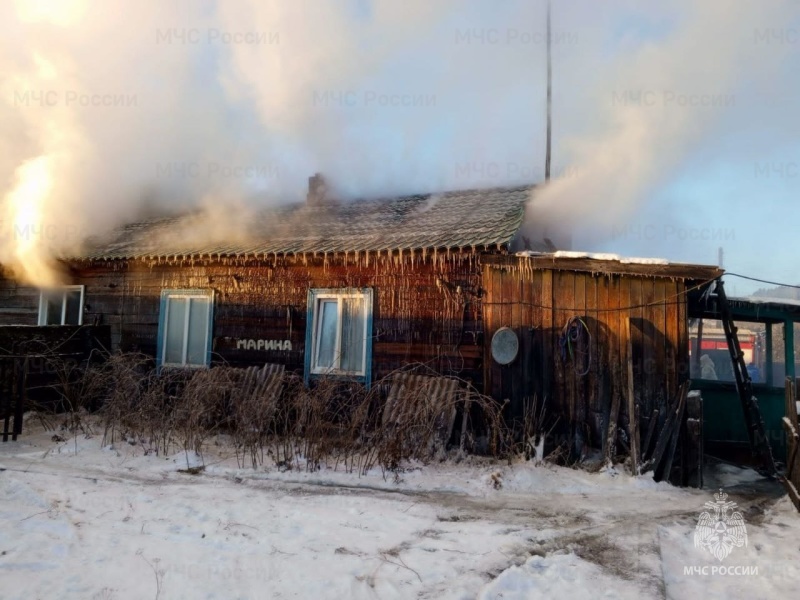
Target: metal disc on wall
{"x":505,"y":345}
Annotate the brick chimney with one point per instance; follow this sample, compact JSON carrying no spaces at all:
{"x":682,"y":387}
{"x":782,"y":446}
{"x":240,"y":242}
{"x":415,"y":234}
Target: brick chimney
{"x":317,"y":190}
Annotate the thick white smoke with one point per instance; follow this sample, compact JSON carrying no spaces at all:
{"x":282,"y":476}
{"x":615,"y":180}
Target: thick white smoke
{"x":112,"y":110}
{"x":675,"y":98}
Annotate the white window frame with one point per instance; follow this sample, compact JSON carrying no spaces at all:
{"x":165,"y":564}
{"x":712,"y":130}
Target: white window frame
{"x":185,"y":295}
{"x":327,"y":296}
{"x":64,"y":289}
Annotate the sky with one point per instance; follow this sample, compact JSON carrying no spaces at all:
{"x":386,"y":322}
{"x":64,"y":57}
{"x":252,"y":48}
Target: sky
{"x":674,"y":123}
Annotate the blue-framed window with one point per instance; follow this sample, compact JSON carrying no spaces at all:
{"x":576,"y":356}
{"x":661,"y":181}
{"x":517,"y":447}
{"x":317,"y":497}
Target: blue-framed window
{"x":184,"y":328}
{"x":339,"y":333}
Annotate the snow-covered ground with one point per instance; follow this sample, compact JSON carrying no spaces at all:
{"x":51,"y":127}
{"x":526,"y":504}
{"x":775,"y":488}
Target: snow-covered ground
{"x":84,"y":521}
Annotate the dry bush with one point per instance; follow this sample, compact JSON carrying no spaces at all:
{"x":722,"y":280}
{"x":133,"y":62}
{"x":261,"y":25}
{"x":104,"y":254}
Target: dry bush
{"x":200,"y":407}
{"x":318,"y":424}
{"x":528,"y":432}
{"x":338,"y":423}
{"x":116,"y":385}
{"x":334,"y":422}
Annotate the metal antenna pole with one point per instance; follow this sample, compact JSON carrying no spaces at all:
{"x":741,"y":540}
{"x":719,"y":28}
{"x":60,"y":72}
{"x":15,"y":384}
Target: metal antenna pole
{"x":549,"y":98}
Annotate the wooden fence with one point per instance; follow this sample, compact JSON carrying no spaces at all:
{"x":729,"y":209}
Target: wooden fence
{"x":12,"y":395}
{"x":33,"y":361}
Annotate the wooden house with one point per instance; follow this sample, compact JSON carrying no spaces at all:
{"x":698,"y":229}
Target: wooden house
{"x":360,"y":289}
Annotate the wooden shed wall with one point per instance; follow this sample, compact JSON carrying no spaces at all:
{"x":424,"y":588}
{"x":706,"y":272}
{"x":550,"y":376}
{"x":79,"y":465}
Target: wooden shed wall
{"x":537,"y":303}
{"x":419,"y":314}
{"x":19,"y":304}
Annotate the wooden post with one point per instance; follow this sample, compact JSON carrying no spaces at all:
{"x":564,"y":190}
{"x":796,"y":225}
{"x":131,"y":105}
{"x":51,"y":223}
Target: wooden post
{"x":673,"y":421}
{"x":788,"y":348}
{"x":693,"y":465}
{"x":464,"y":419}
{"x":768,"y":365}
{"x":7,"y":388}
{"x":648,"y":438}
{"x":633,"y":416}
{"x":666,"y":474}
{"x":698,"y":342}
{"x":791,"y":481}
{"x":20,"y":397}
{"x":791,"y":401}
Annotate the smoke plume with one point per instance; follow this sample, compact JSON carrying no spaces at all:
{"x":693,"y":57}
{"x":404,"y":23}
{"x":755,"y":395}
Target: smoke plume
{"x":113,"y":111}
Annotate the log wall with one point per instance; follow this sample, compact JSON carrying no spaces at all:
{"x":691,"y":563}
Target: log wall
{"x":19,"y":304}
{"x":425,"y":309}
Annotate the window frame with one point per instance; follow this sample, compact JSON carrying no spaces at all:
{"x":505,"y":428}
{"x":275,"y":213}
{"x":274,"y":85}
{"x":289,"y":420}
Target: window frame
{"x":316,"y":297}
{"x":64,"y":289}
{"x":163,"y":318}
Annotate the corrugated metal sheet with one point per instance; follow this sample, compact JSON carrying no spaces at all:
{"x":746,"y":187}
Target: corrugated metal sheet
{"x":468,"y":219}
{"x":423,"y":399}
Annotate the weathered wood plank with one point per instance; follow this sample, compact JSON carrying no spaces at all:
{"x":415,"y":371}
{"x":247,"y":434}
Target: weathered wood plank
{"x":548,"y":346}
{"x":650,"y":370}
{"x":669,"y":457}
{"x":648,"y":438}
{"x":672,"y":336}
{"x":790,"y":404}
{"x":564,"y":294}
{"x":593,"y":324}
{"x":671,"y":424}
{"x":659,"y":317}
{"x":611,"y":437}
{"x":498,"y":310}
{"x":633,"y":420}
{"x":694,"y":455}
{"x":603,"y":343}
{"x":578,"y":387}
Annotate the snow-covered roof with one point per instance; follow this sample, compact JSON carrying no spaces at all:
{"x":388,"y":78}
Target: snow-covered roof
{"x":625,"y":260}
{"x":767,"y":300}
{"x":467,"y":219}
{"x":602,"y":262}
